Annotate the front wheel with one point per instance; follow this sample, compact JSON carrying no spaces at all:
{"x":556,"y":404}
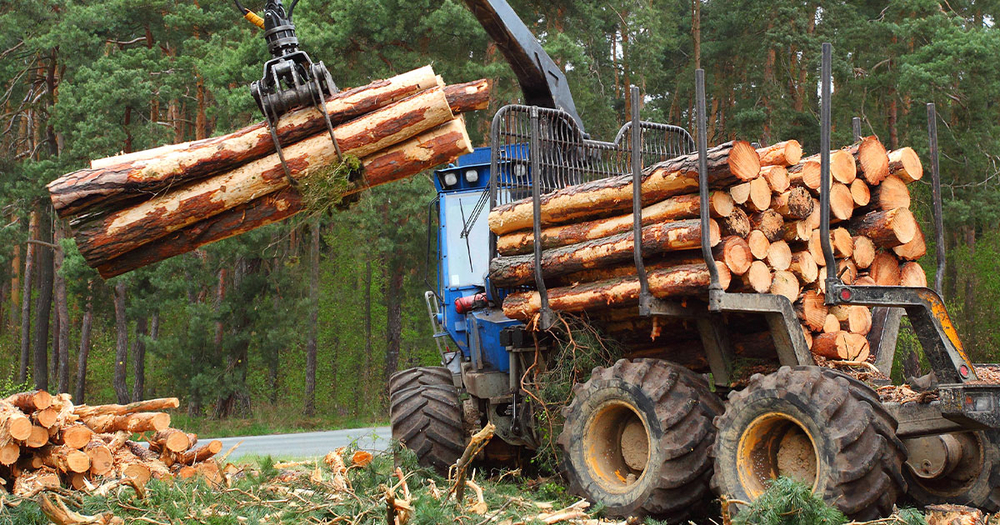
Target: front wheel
{"x":815,"y":426}
{"x":637,"y":438}
{"x":427,"y":419}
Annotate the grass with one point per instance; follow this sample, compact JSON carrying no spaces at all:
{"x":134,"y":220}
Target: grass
{"x":261,"y":493}
{"x":270,"y":419}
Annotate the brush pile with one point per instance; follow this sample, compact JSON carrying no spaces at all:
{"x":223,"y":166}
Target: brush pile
{"x":138,"y":208}
{"x":46,"y":441}
{"x":764,"y":234}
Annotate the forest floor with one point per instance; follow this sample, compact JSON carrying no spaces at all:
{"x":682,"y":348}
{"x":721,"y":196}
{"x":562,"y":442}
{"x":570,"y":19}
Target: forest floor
{"x":266,"y":420}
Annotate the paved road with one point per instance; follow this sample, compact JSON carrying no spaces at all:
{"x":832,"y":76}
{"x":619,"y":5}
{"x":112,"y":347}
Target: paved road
{"x":308,"y":444}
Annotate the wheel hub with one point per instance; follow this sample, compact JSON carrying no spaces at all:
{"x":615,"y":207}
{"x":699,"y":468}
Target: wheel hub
{"x":776,"y":445}
{"x":945,"y":463}
{"x":616,"y":441}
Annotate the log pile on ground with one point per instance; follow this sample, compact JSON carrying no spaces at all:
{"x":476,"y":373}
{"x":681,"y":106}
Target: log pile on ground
{"x":765,"y":238}
{"x":134,"y":209}
{"x":46,"y":441}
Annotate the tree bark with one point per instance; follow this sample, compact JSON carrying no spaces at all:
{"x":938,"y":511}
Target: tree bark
{"x":727,"y":163}
{"x":81,"y":364}
{"x":680,"y":235}
{"x":29,"y":269}
{"x":310,"y":394}
{"x":887,"y":229}
{"x":121,"y":345}
{"x":124,"y":230}
{"x":139,"y":359}
{"x":426,"y":151}
{"x":43,"y":305}
{"x":62,"y":312}
{"x":675,"y":281}
{"x":904,"y":163}
{"x":122,"y":177}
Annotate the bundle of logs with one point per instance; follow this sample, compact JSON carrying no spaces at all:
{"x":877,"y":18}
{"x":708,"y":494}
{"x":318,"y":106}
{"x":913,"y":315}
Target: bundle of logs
{"x":764,"y":233}
{"x":46,"y":441}
{"x":135,"y":209}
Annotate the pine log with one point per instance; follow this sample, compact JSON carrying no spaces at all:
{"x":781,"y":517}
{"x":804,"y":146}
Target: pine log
{"x":666,"y":260}
{"x":438,"y":146}
{"x":781,"y":154}
{"x":840,"y":346}
{"x":670,"y":236}
{"x":102,"y":460}
{"x":911,"y":274}
{"x":468,"y":96}
{"x":804,"y":267}
{"x":887,"y":229}
{"x":855,"y":319}
{"x":885,"y":269}
{"x":199,"y":454}
{"x":170,"y":439}
{"x":140,"y":422}
{"x":737,"y":223}
{"x":13,"y":423}
{"x":9,"y":453}
{"x":864,"y":251}
{"x":29,"y":484}
{"x":65,"y":459}
{"x":786,"y":284}
{"x":840,"y":241}
{"x":726,"y":162}
{"x":776,"y":177}
{"x":913,"y":250}
{"x":74,"y":436}
{"x":39,"y":437}
{"x":831,"y":325}
{"x":808,"y":336}
{"x":841,"y":202}
{"x":904,"y":163}
{"x":814,"y":218}
{"x":847,"y":271}
{"x":758,"y":278}
{"x":779,"y":255}
{"x":860,"y":193}
{"x":46,"y":417}
{"x":758,"y":244}
{"x":865,"y":280}
{"x":871,"y":158}
{"x":892,"y":193}
{"x":124,"y":230}
{"x":795,"y":203}
{"x":735,"y":252}
{"x":805,"y":173}
{"x":674,"y":208}
{"x":28,"y":402}
{"x":812,"y":310}
{"x":679,"y":281}
{"x":797,"y":231}
{"x":949,"y":514}
{"x":769,"y":222}
{"x":740,"y":193}
{"x":760,"y":195}
{"x":144,"y":173}
{"x":149,"y":405}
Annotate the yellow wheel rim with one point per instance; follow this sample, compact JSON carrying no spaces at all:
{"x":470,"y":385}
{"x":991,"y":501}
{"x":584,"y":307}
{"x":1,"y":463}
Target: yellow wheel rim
{"x":773,"y":445}
{"x":616,"y":446}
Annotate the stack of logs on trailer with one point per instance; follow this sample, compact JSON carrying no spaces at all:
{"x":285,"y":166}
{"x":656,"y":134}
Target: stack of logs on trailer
{"x":135,"y":209}
{"x":47,"y":441}
{"x":764,"y":232}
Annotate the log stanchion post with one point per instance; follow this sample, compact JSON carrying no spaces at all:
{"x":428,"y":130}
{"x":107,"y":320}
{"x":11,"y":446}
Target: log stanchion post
{"x":645,"y":298}
{"x":715,"y":289}
{"x":832,"y":280}
{"x":546,"y":317}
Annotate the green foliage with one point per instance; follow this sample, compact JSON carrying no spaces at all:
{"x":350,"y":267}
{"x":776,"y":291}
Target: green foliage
{"x":788,"y":502}
{"x":9,"y":385}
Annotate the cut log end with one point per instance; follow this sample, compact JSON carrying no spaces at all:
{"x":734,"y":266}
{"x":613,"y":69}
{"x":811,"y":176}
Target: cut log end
{"x":873,"y":162}
{"x":744,"y":162}
{"x":735,"y":253}
{"x":786,"y":284}
{"x":904,"y":163}
{"x":758,"y":244}
{"x":758,"y":277}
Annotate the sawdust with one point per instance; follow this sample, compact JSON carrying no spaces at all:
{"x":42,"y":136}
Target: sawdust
{"x":796,"y":458}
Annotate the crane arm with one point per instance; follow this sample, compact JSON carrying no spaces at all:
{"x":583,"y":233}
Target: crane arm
{"x":541,"y":80}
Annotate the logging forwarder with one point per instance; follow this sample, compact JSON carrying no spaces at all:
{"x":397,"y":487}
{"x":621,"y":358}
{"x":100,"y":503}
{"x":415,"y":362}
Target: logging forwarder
{"x":637,"y":434}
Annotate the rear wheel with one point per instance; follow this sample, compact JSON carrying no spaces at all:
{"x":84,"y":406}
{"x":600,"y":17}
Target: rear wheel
{"x":421,"y":375}
{"x":427,"y":419}
{"x":961,"y":468}
{"x":818,"y":427}
{"x":637,"y":439}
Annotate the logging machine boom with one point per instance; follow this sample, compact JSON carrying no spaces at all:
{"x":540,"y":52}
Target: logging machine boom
{"x":637,"y":435}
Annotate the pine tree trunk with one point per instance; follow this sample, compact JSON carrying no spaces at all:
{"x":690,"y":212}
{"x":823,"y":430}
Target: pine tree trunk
{"x":310,"y":401}
{"x":43,"y":304}
{"x":394,"y":317}
{"x":81,"y":364}
{"x":121,"y":346}
{"x":62,"y":313}
{"x":237,"y":401}
{"x":139,"y":359}
{"x":369,"y":351}
{"x":15,"y":286}
{"x":29,"y":270}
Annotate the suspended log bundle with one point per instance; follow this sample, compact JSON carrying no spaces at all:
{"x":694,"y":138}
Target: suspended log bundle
{"x":764,"y":238}
{"x":85,"y":444}
{"x":135,"y":209}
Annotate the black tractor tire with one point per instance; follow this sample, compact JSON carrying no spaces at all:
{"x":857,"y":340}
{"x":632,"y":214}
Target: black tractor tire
{"x":427,"y":419}
{"x":814,"y":425}
{"x":974,"y":483}
{"x":421,"y":375}
{"x":637,"y":439}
